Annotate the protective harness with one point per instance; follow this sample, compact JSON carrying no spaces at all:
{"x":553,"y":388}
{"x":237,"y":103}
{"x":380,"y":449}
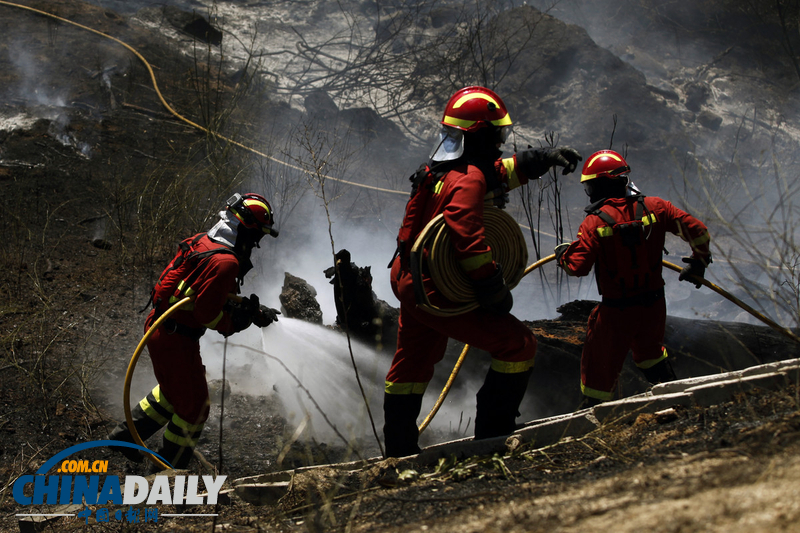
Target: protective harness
{"x":627,"y":237}
{"x":183,"y":268}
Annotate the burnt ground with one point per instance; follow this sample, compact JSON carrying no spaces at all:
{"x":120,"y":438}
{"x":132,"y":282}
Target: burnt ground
{"x":76,"y":270}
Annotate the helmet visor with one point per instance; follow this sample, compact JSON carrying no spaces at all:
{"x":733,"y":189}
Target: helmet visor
{"x":620,"y":170}
{"x":505,"y":132}
{"x":449,"y":145}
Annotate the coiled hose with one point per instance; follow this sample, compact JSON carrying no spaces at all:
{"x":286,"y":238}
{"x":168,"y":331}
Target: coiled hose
{"x":503,"y":236}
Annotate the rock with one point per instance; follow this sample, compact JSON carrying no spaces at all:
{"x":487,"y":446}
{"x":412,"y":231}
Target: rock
{"x":577,"y":310}
{"x":696,"y":95}
{"x":298,"y":299}
{"x":203,"y":30}
{"x":709,"y":120}
{"x":216,"y":388}
{"x":319,"y":105}
{"x":191,"y":23}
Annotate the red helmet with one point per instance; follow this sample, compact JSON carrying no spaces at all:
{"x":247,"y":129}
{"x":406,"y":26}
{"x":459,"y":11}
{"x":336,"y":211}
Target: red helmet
{"x":604,"y":164}
{"x":253,"y":211}
{"x":473,"y":108}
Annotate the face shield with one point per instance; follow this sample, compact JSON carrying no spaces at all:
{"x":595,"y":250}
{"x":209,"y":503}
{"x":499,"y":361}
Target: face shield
{"x":505,"y":132}
{"x":449,"y":145}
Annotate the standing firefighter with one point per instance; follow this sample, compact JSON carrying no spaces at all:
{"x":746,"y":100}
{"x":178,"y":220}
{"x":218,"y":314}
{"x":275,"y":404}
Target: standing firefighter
{"x":208,"y":267}
{"x":623,"y":237}
{"x":465,"y":170}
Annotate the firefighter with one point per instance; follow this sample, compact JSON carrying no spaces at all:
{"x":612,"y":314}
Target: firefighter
{"x":622,"y":237}
{"x":210,"y":267}
{"x":465,"y":170}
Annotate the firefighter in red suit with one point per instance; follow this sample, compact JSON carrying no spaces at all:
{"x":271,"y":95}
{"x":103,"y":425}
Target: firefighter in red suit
{"x":465,"y":170}
{"x":208,"y":267}
{"x":622,"y":237}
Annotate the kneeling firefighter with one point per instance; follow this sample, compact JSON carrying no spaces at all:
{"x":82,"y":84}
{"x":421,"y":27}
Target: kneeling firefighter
{"x":209,"y":267}
{"x":622,"y":237}
{"x":465,"y":170}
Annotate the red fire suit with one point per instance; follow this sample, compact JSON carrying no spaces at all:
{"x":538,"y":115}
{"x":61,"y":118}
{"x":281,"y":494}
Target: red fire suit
{"x":422,"y":337}
{"x":628,"y":269}
{"x":181,"y":398}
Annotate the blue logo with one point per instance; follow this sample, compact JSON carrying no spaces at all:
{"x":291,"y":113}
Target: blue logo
{"x":81,"y":482}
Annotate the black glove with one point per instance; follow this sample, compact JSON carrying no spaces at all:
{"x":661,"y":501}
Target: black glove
{"x":564,"y":157}
{"x":559,"y":251}
{"x":265,"y":316}
{"x":242,"y":313}
{"x":694,"y":267}
{"x":493,"y":294}
{"x":535,"y":162}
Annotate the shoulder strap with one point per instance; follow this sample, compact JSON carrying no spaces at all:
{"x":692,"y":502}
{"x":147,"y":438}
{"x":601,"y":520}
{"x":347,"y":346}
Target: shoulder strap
{"x":605,"y":217}
{"x":640,"y":207}
{"x":427,"y":176}
{"x":185,"y":247}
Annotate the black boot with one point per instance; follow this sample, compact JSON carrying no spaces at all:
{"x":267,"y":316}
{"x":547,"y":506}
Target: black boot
{"x":145,"y":427}
{"x":498,"y":403}
{"x":588,"y":401}
{"x":400,"y":432}
{"x":660,"y":372}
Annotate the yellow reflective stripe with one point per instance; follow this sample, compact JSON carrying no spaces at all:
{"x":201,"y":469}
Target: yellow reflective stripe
{"x":186,"y":426}
{"x":181,"y":286}
{"x":151,"y":412}
{"x":471,"y":96}
{"x":604,"y":154}
{"x":180,"y":440}
{"x":161,"y":399}
{"x":505,"y":121}
{"x":597,"y":394}
{"x":511,"y":171}
{"x":183,"y":291}
{"x":605,"y":231}
{"x":213,"y":323}
{"x":587,"y":177}
{"x":702,"y":239}
{"x":438,"y":187}
{"x":472,"y":263}
{"x":457,"y":122}
{"x":511,"y":367}
{"x":649,"y":219}
{"x":405,"y":388}
{"x":652,"y":362}
{"x":252,"y":201}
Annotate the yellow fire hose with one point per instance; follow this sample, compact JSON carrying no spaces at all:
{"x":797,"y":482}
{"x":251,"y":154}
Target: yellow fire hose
{"x":722,"y":292}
